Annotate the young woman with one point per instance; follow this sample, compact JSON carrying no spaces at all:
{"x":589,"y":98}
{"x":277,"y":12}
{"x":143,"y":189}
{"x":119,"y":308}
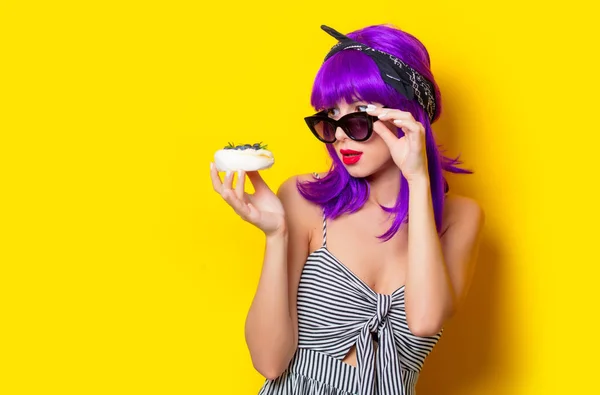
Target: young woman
{"x":365,"y":263}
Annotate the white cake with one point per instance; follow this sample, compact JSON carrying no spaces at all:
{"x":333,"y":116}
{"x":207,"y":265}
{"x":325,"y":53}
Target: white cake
{"x":244,"y":157}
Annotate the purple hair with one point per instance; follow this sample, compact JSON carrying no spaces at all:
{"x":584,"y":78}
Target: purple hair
{"x":351,"y":74}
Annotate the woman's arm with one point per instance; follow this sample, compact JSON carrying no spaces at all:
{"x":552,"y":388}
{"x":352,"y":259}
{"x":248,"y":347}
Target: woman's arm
{"x":439,"y":269}
{"x":272,"y":323}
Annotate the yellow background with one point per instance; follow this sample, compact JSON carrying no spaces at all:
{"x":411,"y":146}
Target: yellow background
{"x":122,"y":272}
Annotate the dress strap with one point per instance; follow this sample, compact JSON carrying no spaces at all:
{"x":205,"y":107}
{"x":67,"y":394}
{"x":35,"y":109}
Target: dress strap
{"x":324,"y":217}
{"x":324,"y":230}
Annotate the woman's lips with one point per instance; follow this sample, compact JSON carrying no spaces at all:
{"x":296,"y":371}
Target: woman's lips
{"x":350,"y":157}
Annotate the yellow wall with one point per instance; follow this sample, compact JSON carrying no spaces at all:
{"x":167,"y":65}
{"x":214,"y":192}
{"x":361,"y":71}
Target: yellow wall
{"x":122,"y":271}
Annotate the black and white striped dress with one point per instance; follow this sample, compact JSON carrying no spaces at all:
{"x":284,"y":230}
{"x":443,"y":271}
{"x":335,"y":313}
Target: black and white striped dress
{"x":337,"y":310}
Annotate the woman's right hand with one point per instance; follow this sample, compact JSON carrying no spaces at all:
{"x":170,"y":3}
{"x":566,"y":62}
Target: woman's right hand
{"x":262,"y":208}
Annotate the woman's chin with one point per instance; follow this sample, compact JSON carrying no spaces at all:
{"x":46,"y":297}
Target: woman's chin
{"x":357,"y":171}
{"x":364,"y":170}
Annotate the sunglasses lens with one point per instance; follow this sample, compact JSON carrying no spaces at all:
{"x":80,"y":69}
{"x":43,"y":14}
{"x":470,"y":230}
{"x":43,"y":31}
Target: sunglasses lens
{"x":358,"y":128}
{"x":325,"y":130}
{"x":356,"y":125}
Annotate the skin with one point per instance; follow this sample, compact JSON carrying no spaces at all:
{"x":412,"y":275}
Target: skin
{"x":436,"y":271}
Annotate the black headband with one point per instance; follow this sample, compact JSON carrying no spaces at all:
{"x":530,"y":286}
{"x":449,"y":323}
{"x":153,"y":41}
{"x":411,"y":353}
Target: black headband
{"x":400,"y":76}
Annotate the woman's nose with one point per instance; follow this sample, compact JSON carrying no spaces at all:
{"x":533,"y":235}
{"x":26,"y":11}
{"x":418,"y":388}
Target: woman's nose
{"x":340,"y":135}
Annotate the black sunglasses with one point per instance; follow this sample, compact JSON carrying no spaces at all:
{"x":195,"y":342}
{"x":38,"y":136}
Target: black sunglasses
{"x":358,"y":126}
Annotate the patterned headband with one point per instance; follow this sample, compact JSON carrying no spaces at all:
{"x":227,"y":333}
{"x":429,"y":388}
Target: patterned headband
{"x":400,"y":76}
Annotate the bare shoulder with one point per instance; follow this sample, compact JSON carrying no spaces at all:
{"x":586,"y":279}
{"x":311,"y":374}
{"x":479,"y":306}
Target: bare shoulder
{"x":289,"y":188}
{"x":293,"y":202}
{"x":463,"y":210}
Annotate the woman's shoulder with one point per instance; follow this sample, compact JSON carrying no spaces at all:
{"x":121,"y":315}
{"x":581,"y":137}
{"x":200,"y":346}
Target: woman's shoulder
{"x":288,"y":190}
{"x":461,"y":208}
{"x":304,"y":213}
{"x":318,"y":175}
{"x":290,"y":184}
{"x":308,"y":176}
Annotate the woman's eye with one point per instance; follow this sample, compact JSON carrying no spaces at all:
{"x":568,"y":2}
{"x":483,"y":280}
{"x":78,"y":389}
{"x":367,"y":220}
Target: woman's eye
{"x":330,"y":112}
{"x":362,"y":108}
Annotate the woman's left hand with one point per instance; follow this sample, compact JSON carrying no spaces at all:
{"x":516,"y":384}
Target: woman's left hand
{"x":408,"y":151}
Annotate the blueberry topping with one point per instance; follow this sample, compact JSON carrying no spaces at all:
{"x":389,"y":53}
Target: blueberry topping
{"x":255,"y":146}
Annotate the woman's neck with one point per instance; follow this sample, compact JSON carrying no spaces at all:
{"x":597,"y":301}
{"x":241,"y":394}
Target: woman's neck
{"x":385,"y":185}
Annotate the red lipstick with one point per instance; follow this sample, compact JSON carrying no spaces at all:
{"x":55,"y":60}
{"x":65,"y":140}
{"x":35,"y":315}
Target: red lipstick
{"x":350,"y":157}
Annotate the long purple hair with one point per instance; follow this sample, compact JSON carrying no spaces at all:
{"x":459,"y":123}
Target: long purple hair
{"x":350,"y":74}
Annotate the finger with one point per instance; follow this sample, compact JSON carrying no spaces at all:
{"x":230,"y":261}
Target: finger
{"x":414,"y":130}
{"x":375,"y":109}
{"x":409,"y":127}
{"x":388,"y":137}
{"x":253,"y":213}
{"x":228,"y":181}
{"x":257,"y":181}
{"x":238,"y":206}
{"x":385,"y":114}
{"x":388,"y":113}
{"x":239,"y":187}
{"x":215,"y":178}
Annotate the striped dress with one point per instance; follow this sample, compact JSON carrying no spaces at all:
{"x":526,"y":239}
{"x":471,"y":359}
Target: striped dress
{"x":338,"y":310}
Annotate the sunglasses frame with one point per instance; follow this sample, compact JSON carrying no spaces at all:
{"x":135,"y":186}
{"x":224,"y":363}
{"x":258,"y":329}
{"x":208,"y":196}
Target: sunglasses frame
{"x":322,"y":116}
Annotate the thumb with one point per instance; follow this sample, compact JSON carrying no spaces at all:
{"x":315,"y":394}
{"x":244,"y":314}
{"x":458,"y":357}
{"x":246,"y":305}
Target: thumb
{"x":387,"y":136}
{"x":257,"y":181}
{"x":253,"y":213}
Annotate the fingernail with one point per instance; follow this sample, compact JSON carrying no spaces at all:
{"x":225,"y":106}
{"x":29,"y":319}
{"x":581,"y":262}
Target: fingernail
{"x":383,"y":114}
{"x":397,"y":121}
{"x":228,"y":174}
{"x":239,"y":173}
{"x":211,"y":165}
